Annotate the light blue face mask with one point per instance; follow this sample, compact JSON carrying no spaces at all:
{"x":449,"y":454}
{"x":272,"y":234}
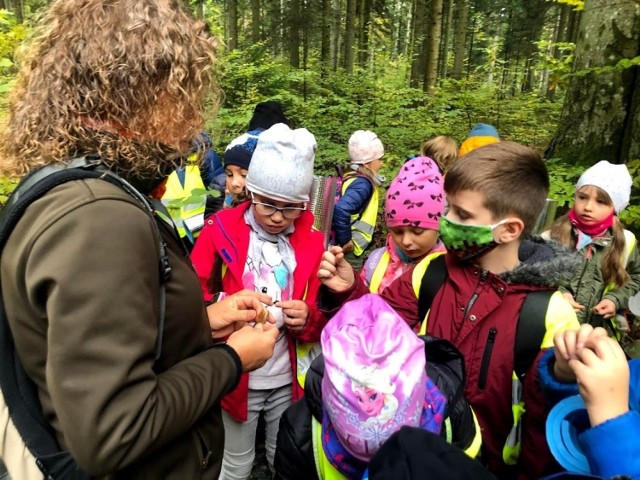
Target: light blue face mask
{"x":467,"y":242}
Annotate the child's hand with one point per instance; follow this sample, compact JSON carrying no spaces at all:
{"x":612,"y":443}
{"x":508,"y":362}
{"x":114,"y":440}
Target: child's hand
{"x":567,"y":343}
{"x":602,"y":372}
{"x":606,"y":308}
{"x":296,"y":313}
{"x":347,"y":247}
{"x":576,"y":306}
{"x":334,"y":271}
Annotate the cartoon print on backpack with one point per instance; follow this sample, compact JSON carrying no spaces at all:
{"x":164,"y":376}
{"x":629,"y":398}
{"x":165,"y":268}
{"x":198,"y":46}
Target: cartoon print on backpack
{"x":374,"y":392}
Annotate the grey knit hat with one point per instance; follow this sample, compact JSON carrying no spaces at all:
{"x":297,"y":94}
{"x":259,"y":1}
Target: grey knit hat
{"x":365,"y":147}
{"x":282,"y":164}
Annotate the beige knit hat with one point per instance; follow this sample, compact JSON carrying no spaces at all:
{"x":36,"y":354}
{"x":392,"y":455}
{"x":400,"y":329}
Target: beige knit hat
{"x":365,"y":147}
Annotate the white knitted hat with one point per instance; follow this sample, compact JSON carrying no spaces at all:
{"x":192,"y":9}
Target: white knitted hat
{"x":365,"y":147}
{"x":282,"y":164}
{"x":613,"y":179}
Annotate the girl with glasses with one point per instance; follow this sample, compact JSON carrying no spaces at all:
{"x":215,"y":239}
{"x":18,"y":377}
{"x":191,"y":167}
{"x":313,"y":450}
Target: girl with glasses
{"x":267,"y":245}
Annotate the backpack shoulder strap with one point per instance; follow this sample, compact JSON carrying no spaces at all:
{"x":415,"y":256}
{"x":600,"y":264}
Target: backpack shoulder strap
{"x":17,"y":388}
{"x":530,"y":330}
{"x":433,"y":278}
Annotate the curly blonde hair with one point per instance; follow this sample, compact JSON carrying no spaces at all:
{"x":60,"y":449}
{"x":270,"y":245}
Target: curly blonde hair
{"x":123,"y":79}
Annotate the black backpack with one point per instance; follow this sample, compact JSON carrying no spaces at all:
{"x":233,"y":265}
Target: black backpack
{"x":18,"y":389}
{"x":531,"y":326}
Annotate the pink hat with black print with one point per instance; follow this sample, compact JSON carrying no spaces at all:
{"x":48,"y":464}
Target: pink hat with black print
{"x":374,"y":380}
{"x":416,"y":195}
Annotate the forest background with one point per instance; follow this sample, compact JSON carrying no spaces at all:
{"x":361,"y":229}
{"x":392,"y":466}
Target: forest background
{"x":561,"y":76}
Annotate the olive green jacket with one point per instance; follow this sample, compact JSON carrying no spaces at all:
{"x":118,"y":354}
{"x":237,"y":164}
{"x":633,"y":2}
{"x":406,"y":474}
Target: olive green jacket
{"x":588,"y":287}
{"x":81,"y":284}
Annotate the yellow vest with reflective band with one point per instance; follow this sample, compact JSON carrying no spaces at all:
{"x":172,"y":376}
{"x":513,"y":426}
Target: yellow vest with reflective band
{"x":362,"y":225}
{"x":325,"y":470}
{"x":557,"y":303}
{"x":175,"y":191}
{"x":378,"y":273}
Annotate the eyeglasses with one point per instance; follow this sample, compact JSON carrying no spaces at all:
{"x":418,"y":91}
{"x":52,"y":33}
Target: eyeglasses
{"x":287,"y":212}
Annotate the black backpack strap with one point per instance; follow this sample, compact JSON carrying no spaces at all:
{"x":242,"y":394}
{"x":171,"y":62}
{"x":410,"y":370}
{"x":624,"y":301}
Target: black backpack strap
{"x":530,"y":330}
{"x":18,"y":389}
{"x":432,"y":280}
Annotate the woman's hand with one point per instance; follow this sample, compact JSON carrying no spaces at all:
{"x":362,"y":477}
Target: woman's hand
{"x":255,"y":345}
{"x":334,"y":271}
{"x":233,"y":312}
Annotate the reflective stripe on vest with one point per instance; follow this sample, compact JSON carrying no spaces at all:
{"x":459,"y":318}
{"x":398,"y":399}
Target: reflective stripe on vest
{"x":325,"y":470}
{"x":378,"y":273}
{"x":192,"y":212}
{"x":362,"y":225}
{"x":513,"y":444}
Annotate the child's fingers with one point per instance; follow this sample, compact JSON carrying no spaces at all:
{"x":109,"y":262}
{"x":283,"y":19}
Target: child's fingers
{"x":606,"y":348}
{"x":584,"y":332}
{"x":580,"y":370}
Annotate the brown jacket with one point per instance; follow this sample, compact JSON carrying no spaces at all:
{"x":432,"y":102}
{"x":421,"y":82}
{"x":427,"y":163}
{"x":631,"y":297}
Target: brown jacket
{"x":80,"y":279}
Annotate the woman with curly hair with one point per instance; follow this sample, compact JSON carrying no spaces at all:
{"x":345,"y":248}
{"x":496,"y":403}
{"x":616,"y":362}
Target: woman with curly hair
{"x":123,"y":83}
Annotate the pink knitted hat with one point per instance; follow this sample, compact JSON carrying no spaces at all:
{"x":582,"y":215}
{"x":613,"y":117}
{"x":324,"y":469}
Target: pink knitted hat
{"x":374,"y":380}
{"x":416,"y":195}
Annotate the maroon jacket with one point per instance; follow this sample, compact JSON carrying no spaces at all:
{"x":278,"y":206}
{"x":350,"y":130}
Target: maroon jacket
{"x":478,"y":312}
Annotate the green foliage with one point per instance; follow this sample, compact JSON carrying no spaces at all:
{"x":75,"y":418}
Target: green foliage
{"x":622,"y":64}
{"x":6,"y":187}
{"x":577,"y":4}
{"x":334,"y":106}
{"x":11,"y":35}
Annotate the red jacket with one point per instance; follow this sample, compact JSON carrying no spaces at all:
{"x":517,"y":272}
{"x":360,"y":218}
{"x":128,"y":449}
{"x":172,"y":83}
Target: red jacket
{"x":227,"y":235}
{"x":471,"y":306}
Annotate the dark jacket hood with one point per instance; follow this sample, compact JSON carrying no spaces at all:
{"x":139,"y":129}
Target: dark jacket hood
{"x":543,"y":263}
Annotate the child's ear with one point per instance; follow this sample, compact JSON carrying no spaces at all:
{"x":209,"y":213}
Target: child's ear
{"x":511,"y":230}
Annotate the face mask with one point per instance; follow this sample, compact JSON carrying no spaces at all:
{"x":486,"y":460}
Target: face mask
{"x":467,"y":242}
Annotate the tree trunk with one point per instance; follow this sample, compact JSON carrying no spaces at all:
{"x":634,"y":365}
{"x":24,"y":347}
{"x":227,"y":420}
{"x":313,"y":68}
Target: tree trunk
{"x":447,"y":16}
{"x":255,"y":21}
{"x":232,"y":25}
{"x":336,"y":21}
{"x":350,"y":37}
{"x":534,"y":23}
{"x":418,"y":28}
{"x":365,"y":25}
{"x":433,"y":45}
{"x":559,"y":36}
{"x":600,"y":114}
{"x":325,"y":38}
{"x":459,"y":35}
{"x":294,"y":34}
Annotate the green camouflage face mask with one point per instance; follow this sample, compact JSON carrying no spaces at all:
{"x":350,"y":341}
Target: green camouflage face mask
{"x":467,"y":242}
